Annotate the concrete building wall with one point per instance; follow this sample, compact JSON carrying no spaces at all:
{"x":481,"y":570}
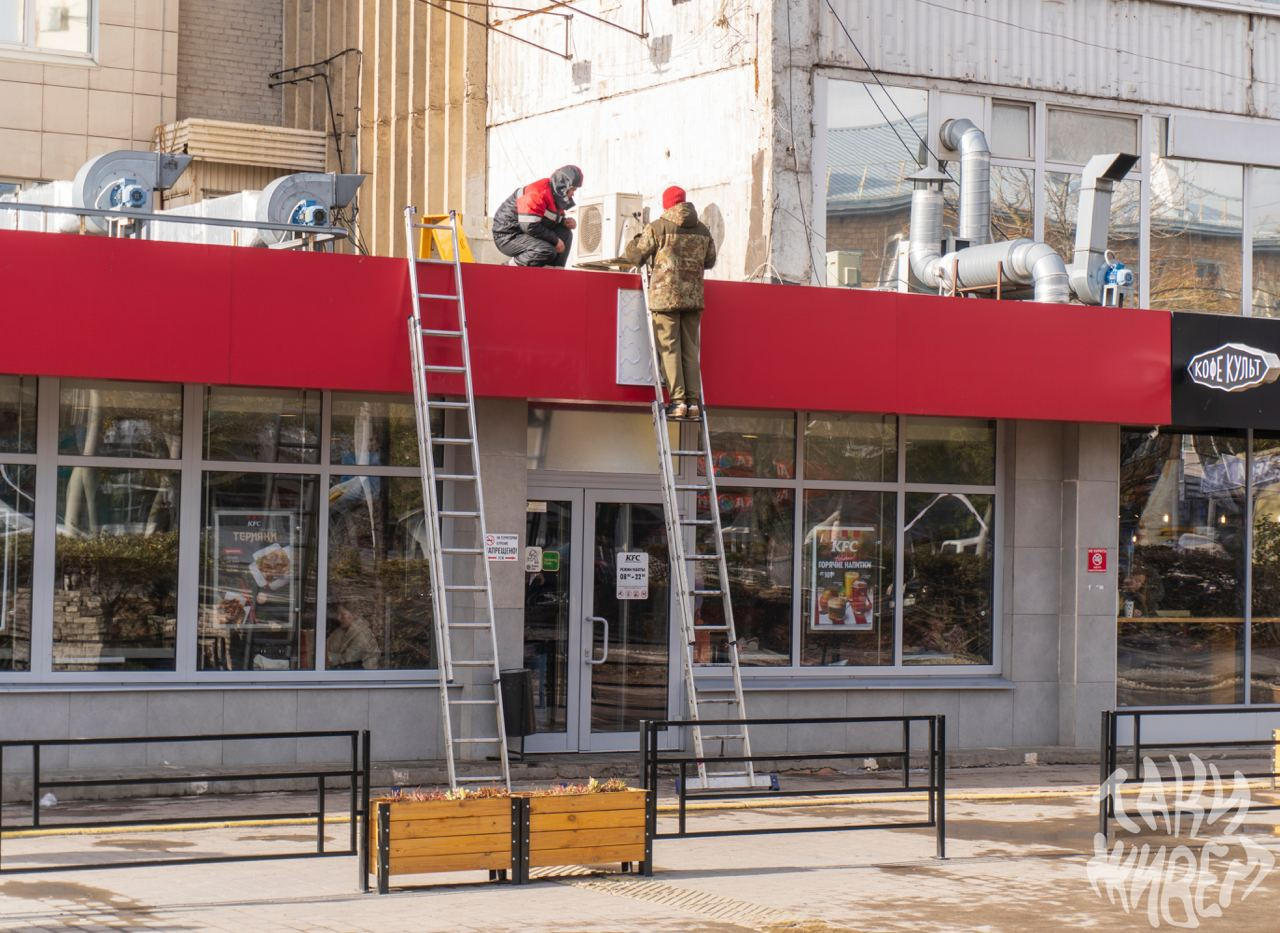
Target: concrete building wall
{"x":226,"y":50}
{"x":56,"y":114}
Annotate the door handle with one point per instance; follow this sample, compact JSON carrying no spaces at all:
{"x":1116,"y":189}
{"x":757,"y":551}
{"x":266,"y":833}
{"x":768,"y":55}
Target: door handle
{"x":589,"y":654}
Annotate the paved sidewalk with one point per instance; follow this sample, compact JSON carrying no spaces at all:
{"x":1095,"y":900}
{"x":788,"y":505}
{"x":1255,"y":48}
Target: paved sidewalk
{"x":1016,"y":864}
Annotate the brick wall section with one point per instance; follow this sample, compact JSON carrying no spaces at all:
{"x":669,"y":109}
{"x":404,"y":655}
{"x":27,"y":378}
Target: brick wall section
{"x":226,"y":49}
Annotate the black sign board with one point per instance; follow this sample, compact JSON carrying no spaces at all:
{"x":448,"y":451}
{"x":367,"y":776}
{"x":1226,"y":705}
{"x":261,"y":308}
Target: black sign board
{"x":1225,"y":371}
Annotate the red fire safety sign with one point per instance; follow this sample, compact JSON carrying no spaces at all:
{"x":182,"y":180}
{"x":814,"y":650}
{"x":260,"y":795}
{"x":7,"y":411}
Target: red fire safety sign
{"x":1097,"y":560}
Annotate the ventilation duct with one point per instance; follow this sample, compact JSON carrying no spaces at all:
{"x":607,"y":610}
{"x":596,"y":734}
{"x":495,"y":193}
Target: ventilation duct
{"x":975,"y":179}
{"x":1089,"y":265}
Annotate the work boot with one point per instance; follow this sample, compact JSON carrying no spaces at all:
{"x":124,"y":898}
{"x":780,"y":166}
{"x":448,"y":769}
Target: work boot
{"x":678,"y":410}
{"x":695,"y":413}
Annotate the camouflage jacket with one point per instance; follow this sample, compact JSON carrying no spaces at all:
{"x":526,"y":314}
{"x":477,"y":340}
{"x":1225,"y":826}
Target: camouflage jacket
{"x":678,"y":248}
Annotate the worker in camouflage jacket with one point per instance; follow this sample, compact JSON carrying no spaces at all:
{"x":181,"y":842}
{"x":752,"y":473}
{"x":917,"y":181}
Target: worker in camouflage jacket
{"x":678,"y":248}
{"x":532,"y":225}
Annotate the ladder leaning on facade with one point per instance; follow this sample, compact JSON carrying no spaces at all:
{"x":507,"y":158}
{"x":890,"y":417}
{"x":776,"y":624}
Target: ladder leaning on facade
{"x":467,"y":646}
{"x":691,"y":583}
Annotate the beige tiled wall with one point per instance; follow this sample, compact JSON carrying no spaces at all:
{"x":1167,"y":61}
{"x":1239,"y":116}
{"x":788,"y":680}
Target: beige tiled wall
{"x":55,"y":116}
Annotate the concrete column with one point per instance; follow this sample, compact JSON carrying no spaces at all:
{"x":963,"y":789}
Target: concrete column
{"x":503,"y":425}
{"x":1087,"y":608}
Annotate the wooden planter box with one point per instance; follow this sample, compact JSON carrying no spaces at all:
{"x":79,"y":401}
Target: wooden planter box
{"x":586,"y":829}
{"x":416,"y":837}
{"x":508,"y":834}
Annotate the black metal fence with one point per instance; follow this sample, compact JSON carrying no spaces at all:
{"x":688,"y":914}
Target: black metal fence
{"x":356,"y":774}
{"x":654,"y":759}
{"x":1134,"y":748}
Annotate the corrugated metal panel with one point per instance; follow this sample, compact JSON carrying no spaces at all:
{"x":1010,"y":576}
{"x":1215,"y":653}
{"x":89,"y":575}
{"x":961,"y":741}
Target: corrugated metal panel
{"x":248,"y":144}
{"x":1143,"y":52}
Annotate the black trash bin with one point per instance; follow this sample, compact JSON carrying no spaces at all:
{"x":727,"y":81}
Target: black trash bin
{"x":517,"y":704}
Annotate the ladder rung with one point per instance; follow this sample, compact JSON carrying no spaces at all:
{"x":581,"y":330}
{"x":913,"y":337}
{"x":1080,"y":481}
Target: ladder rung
{"x":485,"y":741}
{"x":434,"y":262}
{"x":688,"y":453}
{"x":461,"y":550}
{"x":725,"y":735}
{"x":697,"y":486}
{"x":442,"y":333}
{"x":469,"y":625}
{"x":473,"y":702}
{"x":437,"y":368}
{"x":480,"y":778}
{"x":697,"y":521}
{"x":457,"y":477}
{"x":711,"y":628}
{"x":459,"y":514}
{"x":468,"y":587}
{"x":434,"y":227}
{"x":731,"y":700}
{"x":485,"y":663}
{"x":708,"y":593}
{"x":695,"y":663}
{"x":456,"y":441}
{"x":458,"y":406}
{"x":728,"y":773}
{"x":437,"y":297}
{"x":702,"y":557}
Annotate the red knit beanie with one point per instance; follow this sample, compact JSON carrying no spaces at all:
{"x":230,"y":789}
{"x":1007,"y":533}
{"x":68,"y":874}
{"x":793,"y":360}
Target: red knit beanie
{"x":672,"y":196}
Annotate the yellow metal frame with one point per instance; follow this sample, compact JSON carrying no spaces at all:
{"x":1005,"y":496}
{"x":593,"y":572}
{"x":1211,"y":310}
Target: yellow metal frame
{"x":441,"y":240}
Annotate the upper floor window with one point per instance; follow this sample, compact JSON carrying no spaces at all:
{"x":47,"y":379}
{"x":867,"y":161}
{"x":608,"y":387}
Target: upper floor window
{"x":57,"y":26}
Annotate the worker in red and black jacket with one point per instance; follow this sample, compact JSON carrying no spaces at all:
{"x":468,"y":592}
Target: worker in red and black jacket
{"x":531,"y":225}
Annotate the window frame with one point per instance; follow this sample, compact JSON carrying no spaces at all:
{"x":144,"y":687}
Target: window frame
{"x":27,"y":50}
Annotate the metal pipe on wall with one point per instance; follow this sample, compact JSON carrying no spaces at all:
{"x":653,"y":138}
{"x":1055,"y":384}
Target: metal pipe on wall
{"x":975,"y":179}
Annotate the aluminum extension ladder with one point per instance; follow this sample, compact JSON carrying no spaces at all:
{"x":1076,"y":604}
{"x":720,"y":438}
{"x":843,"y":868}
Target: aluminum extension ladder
{"x":470,"y":690}
{"x":733,"y":740}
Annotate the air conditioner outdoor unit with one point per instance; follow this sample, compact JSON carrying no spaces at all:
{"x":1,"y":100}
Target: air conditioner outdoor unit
{"x":844,"y":268}
{"x":605,"y":224}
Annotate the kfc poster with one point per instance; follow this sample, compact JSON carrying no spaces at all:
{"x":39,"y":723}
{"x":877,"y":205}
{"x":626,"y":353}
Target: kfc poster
{"x":841,"y":561}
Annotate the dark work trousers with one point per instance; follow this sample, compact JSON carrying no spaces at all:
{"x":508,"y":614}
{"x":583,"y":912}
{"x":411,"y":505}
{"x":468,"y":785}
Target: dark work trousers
{"x":527,"y":250}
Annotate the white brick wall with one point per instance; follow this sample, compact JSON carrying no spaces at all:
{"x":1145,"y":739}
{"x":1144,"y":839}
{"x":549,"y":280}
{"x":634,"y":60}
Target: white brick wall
{"x":226,"y":49}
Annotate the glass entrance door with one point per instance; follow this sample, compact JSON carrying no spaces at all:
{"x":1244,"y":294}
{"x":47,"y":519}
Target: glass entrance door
{"x":627,"y":638}
{"x":600,"y":647}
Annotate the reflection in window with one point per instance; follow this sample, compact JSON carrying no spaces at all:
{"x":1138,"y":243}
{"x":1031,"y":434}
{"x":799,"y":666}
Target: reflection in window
{"x":1264,"y":207}
{"x":947,"y":579}
{"x":17,"y":511}
{"x":871,"y":150}
{"x":1011,"y":129}
{"x":377,"y":429}
{"x":11,"y":27}
{"x":756,"y":444}
{"x":1181,"y":569}
{"x":262,"y":425}
{"x":380,"y":613}
{"x":115,"y":600}
{"x":757,"y":526}
{"x":258,"y":572}
{"x":1062,"y":205}
{"x":955,"y":451}
{"x":1075,"y":136}
{"x":847,"y":578}
{"x":548,"y":598}
{"x":851,"y":447}
{"x":1264,"y":630}
{"x":120,"y":419}
{"x":1196,"y":236}
{"x":17,"y":414}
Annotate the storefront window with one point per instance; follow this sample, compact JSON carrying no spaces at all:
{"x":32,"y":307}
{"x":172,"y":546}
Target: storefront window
{"x":847,"y":613}
{"x":851,"y":447}
{"x":1196,"y":236}
{"x":380,"y":613}
{"x":757,"y":526}
{"x":120,"y":419}
{"x":1264,"y":208}
{"x":258,"y":572}
{"x":947,"y":578}
{"x":17,"y":414}
{"x":753,"y":444}
{"x":376,"y":429}
{"x":1181,"y":569}
{"x":17,"y":511}
{"x":262,"y":425}
{"x":116,"y":572}
{"x":1264,"y":629}
{"x":951,"y":451}
{"x":873,"y":146}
